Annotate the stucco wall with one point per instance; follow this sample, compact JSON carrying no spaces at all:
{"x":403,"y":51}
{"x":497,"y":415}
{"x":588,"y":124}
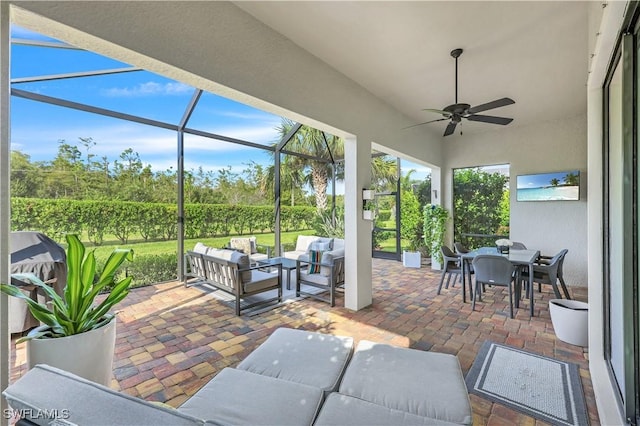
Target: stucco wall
{"x":545,"y":147}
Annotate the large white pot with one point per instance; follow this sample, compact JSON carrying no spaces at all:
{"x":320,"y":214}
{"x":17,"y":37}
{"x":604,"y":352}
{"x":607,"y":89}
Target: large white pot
{"x":570,"y":319}
{"x":411,"y":259}
{"x":88,"y":355}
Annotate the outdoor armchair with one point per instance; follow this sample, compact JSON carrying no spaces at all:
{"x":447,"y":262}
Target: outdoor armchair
{"x":326,"y":274}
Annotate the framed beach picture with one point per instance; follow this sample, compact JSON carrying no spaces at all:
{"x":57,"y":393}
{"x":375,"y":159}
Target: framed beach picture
{"x":557,"y":186}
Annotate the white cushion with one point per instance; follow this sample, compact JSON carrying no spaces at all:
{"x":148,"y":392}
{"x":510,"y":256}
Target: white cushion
{"x":233,"y":256}
{"x":345,"y":410}
{"x":236,"y":397}
{"x":303,"y":242}
{"x":426,"y":384}
{"x":45,"y":389}
{"x":201,"y":248}
{"x":314,"y":359}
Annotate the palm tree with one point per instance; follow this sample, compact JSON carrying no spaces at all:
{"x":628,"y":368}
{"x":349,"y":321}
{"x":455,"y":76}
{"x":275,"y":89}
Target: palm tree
{"x":311,"y":142}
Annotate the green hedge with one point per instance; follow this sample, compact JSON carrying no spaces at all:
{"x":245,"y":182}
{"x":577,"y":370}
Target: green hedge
{"x":151,"y":221}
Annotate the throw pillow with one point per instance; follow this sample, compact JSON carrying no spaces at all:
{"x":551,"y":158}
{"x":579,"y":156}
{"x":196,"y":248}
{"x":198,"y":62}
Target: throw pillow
{"x":315,"y":257}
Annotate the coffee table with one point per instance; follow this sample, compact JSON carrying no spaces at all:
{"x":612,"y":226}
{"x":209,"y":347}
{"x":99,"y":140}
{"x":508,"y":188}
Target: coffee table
{"x":287,"y":264}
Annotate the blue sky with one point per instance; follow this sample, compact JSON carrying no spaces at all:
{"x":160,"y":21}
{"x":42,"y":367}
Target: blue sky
{"x":38,"y":127}
{"x":542,"y":180}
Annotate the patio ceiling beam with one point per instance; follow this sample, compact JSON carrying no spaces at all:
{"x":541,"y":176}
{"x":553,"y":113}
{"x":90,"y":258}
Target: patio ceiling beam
{"x":74,"y":75}
{"x":42,"y":43}
{"x":87,"y":108}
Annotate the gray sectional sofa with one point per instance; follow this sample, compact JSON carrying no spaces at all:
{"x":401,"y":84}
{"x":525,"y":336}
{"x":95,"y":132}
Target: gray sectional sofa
{"x":294,"y":378}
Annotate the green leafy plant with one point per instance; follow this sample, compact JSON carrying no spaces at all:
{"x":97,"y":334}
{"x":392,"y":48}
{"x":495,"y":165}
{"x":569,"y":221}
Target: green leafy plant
{"x":77,"y":312}
{"x":435,"y":219}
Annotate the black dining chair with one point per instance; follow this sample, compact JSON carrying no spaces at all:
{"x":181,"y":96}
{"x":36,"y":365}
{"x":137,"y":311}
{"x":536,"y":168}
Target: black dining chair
{"x":548,"y":270}
{"x":450,"y":267}
{"x":495,"y":270}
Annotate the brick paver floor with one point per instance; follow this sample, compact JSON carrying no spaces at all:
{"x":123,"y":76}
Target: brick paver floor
{"x":171,"y":340}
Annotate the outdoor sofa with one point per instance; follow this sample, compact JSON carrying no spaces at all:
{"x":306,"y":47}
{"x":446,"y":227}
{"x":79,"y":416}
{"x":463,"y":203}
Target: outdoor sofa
{"x":231,"y":272}
{"x":294,"y":378}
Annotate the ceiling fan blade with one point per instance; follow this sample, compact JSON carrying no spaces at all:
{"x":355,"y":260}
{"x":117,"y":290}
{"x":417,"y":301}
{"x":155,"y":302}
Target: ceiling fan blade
{"x":438,"y":111}
{"x":426,"y":122}
{"x":491,"y":105}
{"x":450,"y":128}
{"x":490,"y":119}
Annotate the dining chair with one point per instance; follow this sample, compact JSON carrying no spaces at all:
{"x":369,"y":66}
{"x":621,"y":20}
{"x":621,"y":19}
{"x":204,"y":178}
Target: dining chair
{"x":450,"y":266}
{"x":548,"y":270}
{"x":495,"y":270}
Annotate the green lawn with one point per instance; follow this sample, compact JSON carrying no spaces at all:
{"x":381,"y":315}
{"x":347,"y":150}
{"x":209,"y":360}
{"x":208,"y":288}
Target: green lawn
{"x":167,"y":247}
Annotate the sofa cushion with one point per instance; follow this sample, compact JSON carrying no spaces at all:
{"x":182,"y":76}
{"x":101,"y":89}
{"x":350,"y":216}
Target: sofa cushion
{"x":314,"y":359}
{"x":260,"y":280}
{"x":237,"y":397}
{"x":242,"y":244}
{"x":45,"y":389}
{"x":338,"y":244}
{"x":328,"y":259}
{"x":234,"y":256}
{"x":320,"y":246}
{"x":426,"y":384}
{"x":346,"y":410}
{"x":201,"y":248}
{"x":303,"y":242}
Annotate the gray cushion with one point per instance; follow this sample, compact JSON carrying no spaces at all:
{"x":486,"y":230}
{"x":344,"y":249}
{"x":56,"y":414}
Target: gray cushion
{"x":236,"y":397}
{"x":47,"y":389}
{"x":427,"y":384}
{"x":306,"y":357}
{"x":346,"y":410}
{"x":260,"y":280}
{"x":234,"y":256}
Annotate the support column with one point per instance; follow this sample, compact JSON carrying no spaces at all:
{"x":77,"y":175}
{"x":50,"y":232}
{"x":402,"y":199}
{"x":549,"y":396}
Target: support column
{"x":358,"y":285}
{"x":5,"y":205}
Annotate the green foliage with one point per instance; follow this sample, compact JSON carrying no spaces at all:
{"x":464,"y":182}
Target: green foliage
{"x":411,"y":223}
{"x":151,"y":269}
{"x":384,"y":215}
{"x":478,"y":203}
{"x":435,"y":220}
{"x":325,"y":225}
{"x":151,"y":221}
{"x":77,"y":312}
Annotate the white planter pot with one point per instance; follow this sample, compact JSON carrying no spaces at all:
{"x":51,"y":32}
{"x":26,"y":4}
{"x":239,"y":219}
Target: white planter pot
{"x":411,"y":259}
{"x":435,"y":265}
{"x":88,"y":355}
{"x":368,"y":214}
{"x":570,"y":319}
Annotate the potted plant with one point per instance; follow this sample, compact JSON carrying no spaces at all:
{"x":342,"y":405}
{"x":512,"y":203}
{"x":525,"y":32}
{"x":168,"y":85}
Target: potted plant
{"x":77,"y":334}
{"x":411,"y":257}
{"x":435,"y":220}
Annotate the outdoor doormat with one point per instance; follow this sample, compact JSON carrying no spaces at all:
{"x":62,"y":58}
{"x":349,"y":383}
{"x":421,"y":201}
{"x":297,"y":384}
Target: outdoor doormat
{"x":538,"y":386}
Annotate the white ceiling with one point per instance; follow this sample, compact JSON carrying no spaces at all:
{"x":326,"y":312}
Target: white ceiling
{"x":533,"y":52}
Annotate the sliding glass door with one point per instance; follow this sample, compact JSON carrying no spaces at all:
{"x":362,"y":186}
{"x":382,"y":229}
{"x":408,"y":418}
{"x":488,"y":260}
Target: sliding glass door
{"x":621,"y":218}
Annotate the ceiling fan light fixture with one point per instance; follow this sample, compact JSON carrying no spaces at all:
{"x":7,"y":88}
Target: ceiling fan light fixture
{"x":457,"y":111}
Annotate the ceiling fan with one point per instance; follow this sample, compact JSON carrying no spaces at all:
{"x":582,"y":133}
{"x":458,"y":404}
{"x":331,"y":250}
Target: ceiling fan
{"x":456,"y":112}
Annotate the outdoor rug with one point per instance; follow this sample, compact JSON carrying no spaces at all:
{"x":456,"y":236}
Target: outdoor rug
{"x":228,"y":299}
{"x":538,"y":386}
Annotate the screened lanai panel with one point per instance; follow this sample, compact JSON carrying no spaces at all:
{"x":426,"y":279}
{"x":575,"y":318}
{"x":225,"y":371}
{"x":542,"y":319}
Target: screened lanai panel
{"x":46,"y":60}
{"x":222,"y":116}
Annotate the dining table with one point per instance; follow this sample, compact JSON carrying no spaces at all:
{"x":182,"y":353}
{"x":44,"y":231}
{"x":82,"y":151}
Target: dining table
{"x":516,"y":257}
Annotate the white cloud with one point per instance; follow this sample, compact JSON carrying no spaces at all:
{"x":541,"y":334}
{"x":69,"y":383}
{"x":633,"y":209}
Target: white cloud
{"x":150,"y":88}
